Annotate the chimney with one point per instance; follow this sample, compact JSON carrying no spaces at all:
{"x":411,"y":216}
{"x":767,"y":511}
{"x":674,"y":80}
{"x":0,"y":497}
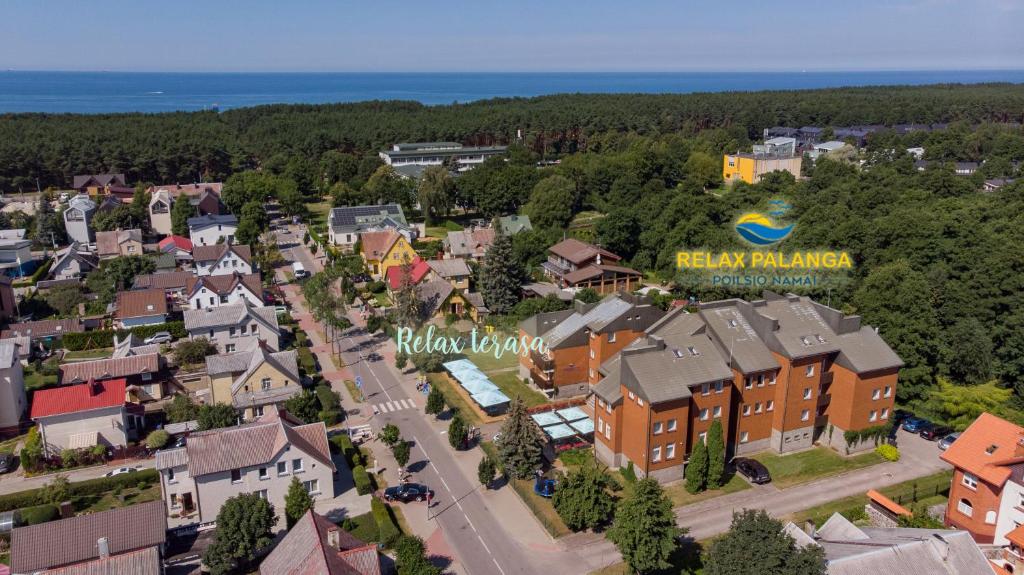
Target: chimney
{"x":94,"y":388}
{"x":941,"y":546}
{"x":811,"y":529}
{"x":598,"y":258}
{"x":332,"y":538}
{"x":104,"y":547}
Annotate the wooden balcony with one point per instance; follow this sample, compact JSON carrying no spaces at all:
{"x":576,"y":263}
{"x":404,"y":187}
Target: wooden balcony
{"x":541,"y":362}
{"x":541,"y":379}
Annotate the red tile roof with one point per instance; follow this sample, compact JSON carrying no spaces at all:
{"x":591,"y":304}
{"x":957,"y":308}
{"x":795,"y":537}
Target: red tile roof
{"x":44,"y":328}
{"x":141,"y":303}
{"x":579,"y":252}
{"x":82,"y":371}
{"x":1017,"y":536}
{"x":215,"y":252}
{"x":176,"y":241}
{"x":75,"y":398}
{"x":225,"y":284}
{"x":419,"y":270}
{"x":377,"y":244}
{"x":308,"y":550}
{"x":987,"y":449}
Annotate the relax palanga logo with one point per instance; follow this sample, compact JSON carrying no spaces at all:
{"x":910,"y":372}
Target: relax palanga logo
{"x":760,"y":229}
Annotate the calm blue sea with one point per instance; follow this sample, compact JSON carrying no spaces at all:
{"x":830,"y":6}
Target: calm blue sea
{"x":103,"y":92}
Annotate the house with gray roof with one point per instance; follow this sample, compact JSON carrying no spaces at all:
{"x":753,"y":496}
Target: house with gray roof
{"x":438,"y":153}
{"x":234,"y":327}
{"x":253,"y":379}
{"x":316,"y":545}
{"x":72,"y":262}
{"x":210,"y":229}
{"x":13,"y":402}
{"x":78,"y":219}
{"x":344,"y":224}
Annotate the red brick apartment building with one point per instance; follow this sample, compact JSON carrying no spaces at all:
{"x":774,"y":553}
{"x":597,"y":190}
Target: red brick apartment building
{"x":580,"y":339}
{"x":986,"y":495}
{"x":780,"y":373}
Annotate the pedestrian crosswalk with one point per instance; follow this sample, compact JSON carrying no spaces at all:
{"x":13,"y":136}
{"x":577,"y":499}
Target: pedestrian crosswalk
{"x":393,"y":406}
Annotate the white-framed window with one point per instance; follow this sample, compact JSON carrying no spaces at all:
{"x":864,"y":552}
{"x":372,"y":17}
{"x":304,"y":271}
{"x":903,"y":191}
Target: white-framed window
{"x":591,"y":373}
{"x":805,"y":415}
{"x":170,"y":475}
{"x":702,"y":437}
{"x":600,"y":425}
{"x":810,"y":371}
{"x":670,"y":451}
{"x":282,"y":468}
{"x":965,"y":507}
{"x":770,"y":406}
{"x":258,"y":410}
{"x":746,"y":409}
{"x":656,"y":454}
{"x":718,"y":387}
{"x":744,"y":437}
{"x":772,"y":380}
{"x":757,"y":407}
{"x":885,"y":413}
{"x":592,"y":355}
{"x":312,"y":486}
{"x":657,"y":427}
{"x":632,"y":395}
{"x":672,"y":424}
{"x":704,"y":414}
{"x":608,"y":431}
{"x":705,"y":389}
{"x":990,"y":517}
{"x":600,"y":402}
{"x":760,"y":380}
{"x":888,"y":391}
{"x":640,"y":401}
{"x":265,"y":383}
{"x":716,"y":411}
{"x":296,"y":465}
{"x":873,"y":415}
{"x":970,"y":481}
{"x":262,"y":494}
{"x":236,"y":476}
{"x":876,"y":394}
{"x":264,"y":473}
{"x":608,"y":407}
{"x":611,"y":337}
{"x":807,"y":393}
{"x":175,"y":501}
{"x":229,"y":348}
{"x":748,"y":382}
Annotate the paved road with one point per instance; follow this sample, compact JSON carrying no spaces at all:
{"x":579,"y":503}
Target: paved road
{"x":17,"y":482}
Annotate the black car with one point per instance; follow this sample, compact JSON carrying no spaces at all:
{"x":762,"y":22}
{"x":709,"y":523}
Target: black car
{"x":407,"y":492}
{"x":898,"y":416}
{"x":6,"y":462}
{"x":934,"y":431}
{"x":752,"y":469}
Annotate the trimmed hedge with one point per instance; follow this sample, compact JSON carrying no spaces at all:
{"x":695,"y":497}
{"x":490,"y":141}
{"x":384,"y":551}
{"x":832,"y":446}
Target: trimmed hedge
{"x":362,"y":480}
{"x":387,"y":529}
{"x":39,"y":514}
{"x":105,"y":337}
{"x":98,"y":486}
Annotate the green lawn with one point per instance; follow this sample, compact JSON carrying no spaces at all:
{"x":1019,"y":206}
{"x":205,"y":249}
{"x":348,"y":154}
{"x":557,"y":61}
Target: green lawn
{"x":511,"y":385}
{"x":112,"y":500}
{"x":9,"y":445}
{"x":797,"y":468}
{"x":453,"y":398}
{"x":34,"y":379}
{"x":442,"y":230}
{"x":102,"y":353}
{"x":382,"y":299}
{"x":486,"y":361}
{"x":318,"y":212}
{"x":927,"y":490}
{"x":680,"y":496}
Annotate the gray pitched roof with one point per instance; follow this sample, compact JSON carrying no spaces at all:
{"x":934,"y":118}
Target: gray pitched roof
{"x":354,"y":218}
{"x":229,"y":315}
{"x":452,"y":268}
{"x":208,"y":220}
{"x":607,"y":309}
{"x":432,"y":295}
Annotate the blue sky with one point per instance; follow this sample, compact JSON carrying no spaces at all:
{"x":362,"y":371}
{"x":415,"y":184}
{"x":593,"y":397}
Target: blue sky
{"x":519,"y":35}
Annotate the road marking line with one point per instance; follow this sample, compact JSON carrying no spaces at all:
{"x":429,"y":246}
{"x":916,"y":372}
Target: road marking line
{"x":471,"y":526}
{"x":482,"y":543}
{"x":375,"y":410}
{"x":410,"y":404}
{"x":391,"y":406}
{"x":495,"y":561}
{"x":384,"y":407}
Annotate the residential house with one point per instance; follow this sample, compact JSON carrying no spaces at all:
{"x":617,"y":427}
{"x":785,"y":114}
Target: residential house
{"x":317,"y":545}
{"x":438,"y":153}
{"x":779,"y":373}
{"x":72,"y":262}
{"x":160,"y":204}
{"x":45,"y":330}
{"x":8,"y":300}
{"x":344,"y":224}
{"x":213,"y":291}
{"x":78,"y":219}
{"x":109,"y":204}
{"x":84,"y":415}
{"x":173,"y":284}
{"x":97,"y":184}
{"x":164,"y":263}
{"x":513,"y":224}
{"x":965,"y":168}
{"x":856,"y":550}
{"x":210,"y":230}
{"x":22,"y":348}
{"x":253,"y":379}
{"x":986,"y":494}
{"x":917,"y":152}
{"x":13,"y":402}
{"x":234,"y":327}
{"x":16,"y":258}
{"x":222,"y":259}
{"x":580,"y":339}
{"x":382,"y":250}
{"x":119,"y":243}
{"x":996,"y":184}
{"x":119,"y":541}
{"x":453,"y":271}
{"x":826,"y":148}
{"x":143,"y":371}
{"x":575,"y":265}
{"x":141,"y":307}
{"x":259,"y":457}
{"x":471,"y":243}
{"x":776,"y":154}
{"x":203,"y":197}
{"x":418,"y":270}
{"x":178,"y":246}
{"x":1012,"y":559}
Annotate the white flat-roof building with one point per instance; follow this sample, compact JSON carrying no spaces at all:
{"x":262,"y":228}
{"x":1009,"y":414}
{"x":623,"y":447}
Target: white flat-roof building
{"x":436,"y":153}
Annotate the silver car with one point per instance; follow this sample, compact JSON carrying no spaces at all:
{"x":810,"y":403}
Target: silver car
{"x":945,"y":442}
{"x":159,"y":337}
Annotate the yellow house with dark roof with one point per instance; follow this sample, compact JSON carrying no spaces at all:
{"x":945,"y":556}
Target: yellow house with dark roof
{"x":382,"y":250}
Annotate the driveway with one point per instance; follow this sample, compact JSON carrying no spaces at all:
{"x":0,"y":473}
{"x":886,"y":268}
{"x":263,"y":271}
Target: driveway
{"x":17,"y":481}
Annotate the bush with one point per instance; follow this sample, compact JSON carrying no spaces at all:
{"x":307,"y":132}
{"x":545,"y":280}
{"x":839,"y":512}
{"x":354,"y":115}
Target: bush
{"x":105,"y":337}
{"x":362,"y":480}
{"x":330,"y":416}
{"x":888,"y":451}
{"x":629,"y":474}
{"x":98,"y":486}
{"x":386,"y":526}
{"x":376,"y":286}
{"x":39,"y":514}
{"x":157,"y":439}
{"x":193,"y":351}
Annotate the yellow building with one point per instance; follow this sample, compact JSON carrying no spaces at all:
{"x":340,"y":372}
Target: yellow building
{"x":750,"y":168}
{"x":253,"y":380}
{"x":382,"y":250}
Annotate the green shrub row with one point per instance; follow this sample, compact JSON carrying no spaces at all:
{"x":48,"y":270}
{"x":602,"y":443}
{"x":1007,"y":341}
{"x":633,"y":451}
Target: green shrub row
{"x":39,"y":514}
{"x":105,"y":337}
{"x":362,"y":480}
{"x":875,"y":433}
{"x":98,"y":486}
{"x":387,"y":528}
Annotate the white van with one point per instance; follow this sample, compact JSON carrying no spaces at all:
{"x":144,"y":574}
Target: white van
{"x":299,"y":271}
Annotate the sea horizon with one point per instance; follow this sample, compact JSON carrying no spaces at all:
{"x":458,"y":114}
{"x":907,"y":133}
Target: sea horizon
{"x":102,"y":92}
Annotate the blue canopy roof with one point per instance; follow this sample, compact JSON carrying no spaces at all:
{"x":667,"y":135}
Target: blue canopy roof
{"x":560,"y":431}
{"x":583,"y":426}
{"x":490,"y":398}
{"x":546,"y":418}
{"x":476,"y":386}
{"x":458,"y":364}
{"x":571,"y":413}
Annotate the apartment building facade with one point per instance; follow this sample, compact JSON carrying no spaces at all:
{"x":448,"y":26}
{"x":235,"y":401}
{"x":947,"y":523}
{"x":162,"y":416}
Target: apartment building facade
{"x":580,"y":339}
{"x":780,"y":373}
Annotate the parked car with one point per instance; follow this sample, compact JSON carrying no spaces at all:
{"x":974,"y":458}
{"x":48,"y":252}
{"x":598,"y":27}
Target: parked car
{"x":914,"y":424}
{"x":752,"y":469}
{"x":935,"y":431}
{"x":180,"y":442}
{"x":280,"y":309}
{"x":120,"y":471}
{"x":6,"y":462}
{"x":159,"y":337}
{"x":899,"y":416}
{"x":407,"y":492}
{"x":945,"y":442}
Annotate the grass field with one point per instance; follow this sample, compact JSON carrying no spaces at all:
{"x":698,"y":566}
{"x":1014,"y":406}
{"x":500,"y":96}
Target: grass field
{"x":680,"y":496}
{"x":453,"y":398}
{"x":442,"y":230}
{"x":318,"y":212}
{"x":797,"y":468}
{"x":89,"y":354}
{"x":511,"y":385}
{"x":34,"y":379}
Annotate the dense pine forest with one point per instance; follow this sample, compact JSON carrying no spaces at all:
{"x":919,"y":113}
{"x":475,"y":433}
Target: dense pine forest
{"x":937,"y":260}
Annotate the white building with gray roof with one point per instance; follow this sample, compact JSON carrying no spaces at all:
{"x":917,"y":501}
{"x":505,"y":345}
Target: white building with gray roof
{"x":234,"y":327}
